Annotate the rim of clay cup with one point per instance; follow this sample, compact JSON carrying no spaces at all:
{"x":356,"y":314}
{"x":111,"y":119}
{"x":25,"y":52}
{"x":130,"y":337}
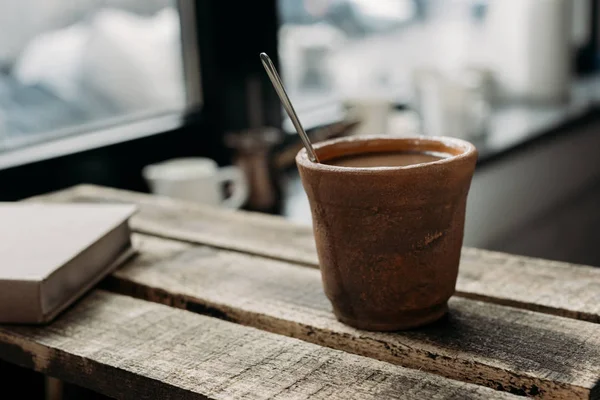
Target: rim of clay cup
{"x":463,"y":148}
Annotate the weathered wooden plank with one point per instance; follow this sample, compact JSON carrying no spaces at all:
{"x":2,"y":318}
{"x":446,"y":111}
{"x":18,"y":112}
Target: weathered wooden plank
{"x":133,"y":349}
{"x":540,"y":285}
{"x":249,"y":232}
{"x":546,"y":286}
{"x":501,"y":347}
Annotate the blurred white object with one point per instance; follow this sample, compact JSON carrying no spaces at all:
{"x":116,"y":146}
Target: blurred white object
{"x":364,"y":86}
{"x":403,"y":123}
{"x":197,"y":179}
{"x":306,"y":49}
{"x":132,"y":61}
{"x":364,"y":76}
{"x":135,"y":61}
{"x":384,"y":14}
{"x":452,"y":104}
{"x":23,"y":20}
{"x":53,"y":59}
{"x":452,"y":35}
{"x":372,"y":112}
{"x":531,"y":45}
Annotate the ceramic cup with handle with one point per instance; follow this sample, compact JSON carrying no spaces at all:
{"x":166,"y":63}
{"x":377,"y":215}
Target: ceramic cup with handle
{"x":197,"y":179}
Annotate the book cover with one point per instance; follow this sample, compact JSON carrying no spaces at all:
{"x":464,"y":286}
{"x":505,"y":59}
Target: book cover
{"x":51,"y":254}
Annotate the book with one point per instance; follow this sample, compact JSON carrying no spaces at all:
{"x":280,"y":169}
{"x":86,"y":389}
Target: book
{"x":52,"y":254}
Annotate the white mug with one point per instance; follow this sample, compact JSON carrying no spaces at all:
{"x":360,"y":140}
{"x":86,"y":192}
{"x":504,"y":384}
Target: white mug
{"x":197,"y":179}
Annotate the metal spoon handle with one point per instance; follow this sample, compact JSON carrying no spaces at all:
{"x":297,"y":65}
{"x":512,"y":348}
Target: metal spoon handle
{"x":287,"y":104}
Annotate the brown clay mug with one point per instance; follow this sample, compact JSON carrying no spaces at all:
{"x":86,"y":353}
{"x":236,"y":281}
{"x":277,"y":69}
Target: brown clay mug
{"x":389,"y":238}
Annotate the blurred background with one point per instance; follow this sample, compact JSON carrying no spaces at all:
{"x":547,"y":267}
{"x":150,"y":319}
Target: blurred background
{"x":169,"y":97}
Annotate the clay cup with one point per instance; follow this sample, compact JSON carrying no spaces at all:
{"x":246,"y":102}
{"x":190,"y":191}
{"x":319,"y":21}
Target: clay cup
{"x":389,"y":238}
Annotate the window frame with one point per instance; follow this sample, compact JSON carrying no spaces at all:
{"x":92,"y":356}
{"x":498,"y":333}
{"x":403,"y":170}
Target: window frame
{"x":226,"y":90}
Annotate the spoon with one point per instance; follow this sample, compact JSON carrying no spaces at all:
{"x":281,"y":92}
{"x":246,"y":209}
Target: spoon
{"x":287,"y":104}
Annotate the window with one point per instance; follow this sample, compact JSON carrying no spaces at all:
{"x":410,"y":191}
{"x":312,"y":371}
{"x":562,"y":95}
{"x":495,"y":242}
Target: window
{"x":69,"y":67}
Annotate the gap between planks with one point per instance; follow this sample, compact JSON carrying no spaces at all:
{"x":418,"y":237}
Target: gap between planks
{"x":519,"y":351}
{"x":131,"y":349}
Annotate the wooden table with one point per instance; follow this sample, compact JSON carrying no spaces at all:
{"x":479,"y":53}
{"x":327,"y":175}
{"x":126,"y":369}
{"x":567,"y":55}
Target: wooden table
{"x":223,"y":304}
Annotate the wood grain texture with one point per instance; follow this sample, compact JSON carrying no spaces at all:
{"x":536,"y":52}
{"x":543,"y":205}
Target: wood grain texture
{"x":551,"y":287}
{"x":249,"y":232}
{"x":133,"y":349}
{"x":501,"y":347}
